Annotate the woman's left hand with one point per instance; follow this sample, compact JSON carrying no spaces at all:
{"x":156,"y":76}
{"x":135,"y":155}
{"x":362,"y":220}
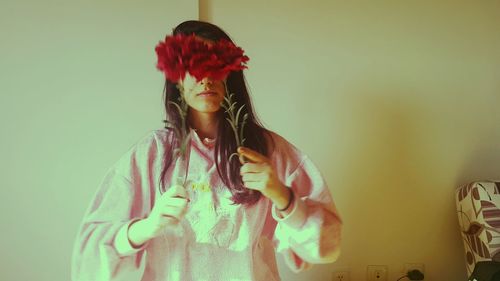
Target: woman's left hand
{"x":259,"y":175}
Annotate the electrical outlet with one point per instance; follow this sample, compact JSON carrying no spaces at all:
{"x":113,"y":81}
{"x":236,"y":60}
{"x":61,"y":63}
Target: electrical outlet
{"x":376,"y":273}
{"x":341,"y":276}
{"x":413,"y":266}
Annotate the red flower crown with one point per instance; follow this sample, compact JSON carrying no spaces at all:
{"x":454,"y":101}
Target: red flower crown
{"x":180,"y":53}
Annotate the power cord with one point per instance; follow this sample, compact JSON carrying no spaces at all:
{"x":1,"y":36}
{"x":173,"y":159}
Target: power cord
{"x":413,"y":275}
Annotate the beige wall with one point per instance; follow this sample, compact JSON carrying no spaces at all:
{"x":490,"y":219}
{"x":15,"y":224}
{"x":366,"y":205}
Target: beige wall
{"x":396,"y":101}
{"x":78,"y":86}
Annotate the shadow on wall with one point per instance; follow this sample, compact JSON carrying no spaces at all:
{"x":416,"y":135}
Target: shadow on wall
{"x":478,"y":164}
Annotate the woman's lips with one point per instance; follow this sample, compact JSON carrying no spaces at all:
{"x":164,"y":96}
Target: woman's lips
{"x":207,"y":94}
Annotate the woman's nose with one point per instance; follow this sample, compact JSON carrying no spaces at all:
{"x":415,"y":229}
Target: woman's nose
{"x":206,"y":81}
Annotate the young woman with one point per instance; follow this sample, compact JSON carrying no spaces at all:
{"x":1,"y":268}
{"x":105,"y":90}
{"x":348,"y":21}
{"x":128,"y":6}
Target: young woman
{"x":195,"y":211}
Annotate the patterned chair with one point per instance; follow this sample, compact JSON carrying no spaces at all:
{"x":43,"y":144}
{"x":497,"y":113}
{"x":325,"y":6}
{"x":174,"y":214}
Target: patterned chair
{"x":478,"y":207}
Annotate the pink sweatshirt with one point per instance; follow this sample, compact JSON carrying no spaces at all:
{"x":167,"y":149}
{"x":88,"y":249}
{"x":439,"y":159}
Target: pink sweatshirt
{"x":215,"y":240}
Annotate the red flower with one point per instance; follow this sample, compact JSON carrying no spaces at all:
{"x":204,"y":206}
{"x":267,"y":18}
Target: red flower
{"x":180,"y":53}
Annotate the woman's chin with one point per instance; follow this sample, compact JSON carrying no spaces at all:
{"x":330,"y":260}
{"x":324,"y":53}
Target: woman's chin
{"x":208,"y":109}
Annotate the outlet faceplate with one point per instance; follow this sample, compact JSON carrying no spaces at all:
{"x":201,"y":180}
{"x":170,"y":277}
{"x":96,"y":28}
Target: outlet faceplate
{"x":341,"y":276}
{"x":376,"y":273}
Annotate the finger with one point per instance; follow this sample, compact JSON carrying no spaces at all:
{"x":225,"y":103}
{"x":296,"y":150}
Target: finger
{"x":253,"y":177}
{"x":179,"y":190}
{"x":243,"y":159}
{"x":257,"y":185}
{"x":172,"y":190}
{"x":252,"y":155}
{"x":176,"y":191}
{"x":173,"y":213}
{"x":253,"y":168}
{"x":168,"y":219}
{"x":176,"y":202}
{"x":165,"y":199}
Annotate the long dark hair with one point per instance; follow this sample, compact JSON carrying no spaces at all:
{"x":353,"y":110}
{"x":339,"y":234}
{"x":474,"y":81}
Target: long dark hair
{"x":256,"y":136}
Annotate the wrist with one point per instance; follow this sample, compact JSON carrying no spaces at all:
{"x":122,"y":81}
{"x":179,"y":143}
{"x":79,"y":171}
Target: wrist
{"x":287,"y":209}
{"x":283,"y":199}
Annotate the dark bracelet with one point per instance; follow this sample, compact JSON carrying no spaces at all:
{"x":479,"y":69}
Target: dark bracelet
{"x":292,"y":196}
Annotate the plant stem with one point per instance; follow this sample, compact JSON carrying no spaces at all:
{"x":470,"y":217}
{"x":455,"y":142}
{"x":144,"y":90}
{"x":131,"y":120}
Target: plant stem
{"x":234,"y":119}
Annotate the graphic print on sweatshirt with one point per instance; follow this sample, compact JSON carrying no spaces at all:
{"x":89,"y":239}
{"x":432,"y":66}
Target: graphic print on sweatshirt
{"x":210,"y":217}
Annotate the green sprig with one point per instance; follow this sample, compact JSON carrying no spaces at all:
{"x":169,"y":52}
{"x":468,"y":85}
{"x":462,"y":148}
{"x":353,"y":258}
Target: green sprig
{"x":182,"y":134}
{"x":234,"y":119}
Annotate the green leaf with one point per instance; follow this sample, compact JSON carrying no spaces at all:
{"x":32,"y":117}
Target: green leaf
{"x":178,"y":133}
{"x":231,"y":108}
{"x":235,"y":131}
{"x":238,"y":113}
{"x":233,"y":154}
{"x":231,"y":123}
{"x":242,"y":126}
{"x":177,"y":106}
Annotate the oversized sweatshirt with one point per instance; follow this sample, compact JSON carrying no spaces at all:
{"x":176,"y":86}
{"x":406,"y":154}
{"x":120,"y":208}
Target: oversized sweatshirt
{"x":215,"y":240}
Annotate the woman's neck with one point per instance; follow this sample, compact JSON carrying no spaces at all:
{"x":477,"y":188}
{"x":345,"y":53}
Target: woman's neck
{"x":204,"y":123}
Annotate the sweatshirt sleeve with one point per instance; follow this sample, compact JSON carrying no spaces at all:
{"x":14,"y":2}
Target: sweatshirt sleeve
{"x":102,"y":250}
{"x":311,"y":232}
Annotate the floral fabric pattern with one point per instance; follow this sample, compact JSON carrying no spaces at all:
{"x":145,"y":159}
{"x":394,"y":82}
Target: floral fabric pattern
{"x":478,"y":208}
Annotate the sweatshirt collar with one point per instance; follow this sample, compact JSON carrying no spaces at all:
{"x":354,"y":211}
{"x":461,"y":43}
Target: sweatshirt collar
{"x":206,"y":142}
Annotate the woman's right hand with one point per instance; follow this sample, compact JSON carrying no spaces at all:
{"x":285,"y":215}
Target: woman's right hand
{"x":168,"y":210}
